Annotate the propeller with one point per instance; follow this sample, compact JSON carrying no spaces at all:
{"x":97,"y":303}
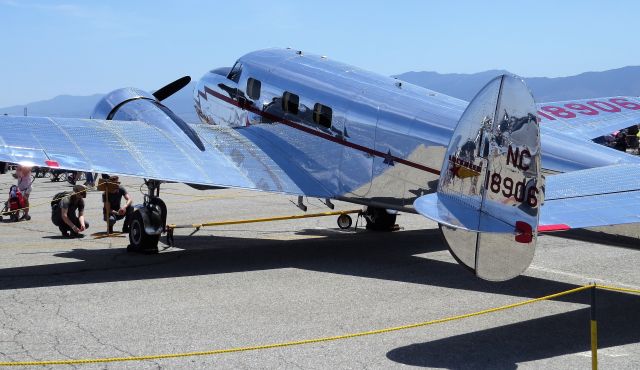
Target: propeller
{"x":172,"y":88}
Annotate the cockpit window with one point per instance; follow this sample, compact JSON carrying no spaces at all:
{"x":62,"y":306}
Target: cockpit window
{"x":236,"y":71}
{"x":222,"y":71}
{"x":253,"y":88}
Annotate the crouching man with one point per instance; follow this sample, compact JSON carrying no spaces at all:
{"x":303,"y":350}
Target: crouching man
{"x":63,"y":212}
{"x":117,"y":211}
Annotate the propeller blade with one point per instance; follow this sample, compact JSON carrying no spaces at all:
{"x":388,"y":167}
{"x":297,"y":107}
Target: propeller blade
{"x":172,"y":88}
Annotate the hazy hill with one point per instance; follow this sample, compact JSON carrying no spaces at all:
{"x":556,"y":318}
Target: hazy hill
{"x":82,"y":106}
{"x":621,"y":81}
{"x":60,"y":106}
{"x":462,"y":86}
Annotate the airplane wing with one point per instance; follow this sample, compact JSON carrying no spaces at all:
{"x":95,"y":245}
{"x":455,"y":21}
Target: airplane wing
{"x":589,"y":118}
{"x":600,"y":196}
{"x":232,"y":158}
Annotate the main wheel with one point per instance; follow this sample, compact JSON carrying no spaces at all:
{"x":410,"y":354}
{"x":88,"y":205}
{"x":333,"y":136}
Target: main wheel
{"x":379,"y":219}
{"x":344,"y":221}
{"x":139,"y":240}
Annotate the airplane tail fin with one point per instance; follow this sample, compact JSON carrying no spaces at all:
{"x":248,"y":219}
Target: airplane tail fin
{"x":491,"y":187}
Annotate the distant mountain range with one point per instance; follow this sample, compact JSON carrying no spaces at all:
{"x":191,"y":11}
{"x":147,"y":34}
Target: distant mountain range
{"x":82,"y":106}
{"x":621,"y":81}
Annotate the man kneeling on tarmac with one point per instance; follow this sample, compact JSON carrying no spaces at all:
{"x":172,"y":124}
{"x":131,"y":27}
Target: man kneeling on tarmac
{"x":116,"y":211}
{"x":63,"y":212}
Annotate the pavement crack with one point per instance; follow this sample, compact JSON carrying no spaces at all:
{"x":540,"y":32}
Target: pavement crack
{"x":95,"y":337}
{"x":289,"y":364}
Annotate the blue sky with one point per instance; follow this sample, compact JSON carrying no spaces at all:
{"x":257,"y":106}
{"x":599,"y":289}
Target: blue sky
{"x":51,"y":48}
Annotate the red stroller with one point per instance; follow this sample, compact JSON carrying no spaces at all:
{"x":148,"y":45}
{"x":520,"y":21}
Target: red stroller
{"x":14,"y":204}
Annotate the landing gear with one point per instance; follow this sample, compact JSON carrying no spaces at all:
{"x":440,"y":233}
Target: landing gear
{"x":379,"y":219}
{"x":148,"y":221}
{"x":139,"y":239}
{"x":344,"y":221}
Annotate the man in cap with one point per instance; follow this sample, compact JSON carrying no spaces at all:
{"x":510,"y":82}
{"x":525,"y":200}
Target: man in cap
{"x":117,"y":211}
{"x":63,"y":211}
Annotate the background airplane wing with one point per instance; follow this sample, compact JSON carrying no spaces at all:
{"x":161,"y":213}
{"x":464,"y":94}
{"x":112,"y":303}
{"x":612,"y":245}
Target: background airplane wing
{"x":600,"y":196}
{"x":135,"y":148}
{"x":589,"y":118}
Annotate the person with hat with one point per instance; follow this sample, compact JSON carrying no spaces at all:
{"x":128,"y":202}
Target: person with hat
{"x":63,"y":211}
{"x":117,"y":211}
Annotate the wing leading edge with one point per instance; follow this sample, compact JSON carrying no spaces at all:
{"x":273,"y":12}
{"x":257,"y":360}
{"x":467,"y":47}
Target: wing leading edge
{"x":139,"y":149}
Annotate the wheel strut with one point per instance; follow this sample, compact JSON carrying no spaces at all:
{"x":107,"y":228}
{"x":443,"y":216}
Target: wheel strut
{"x":149,"y":221}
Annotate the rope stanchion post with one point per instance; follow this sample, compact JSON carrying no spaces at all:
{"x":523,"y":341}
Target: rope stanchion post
{"x":594,"y":329}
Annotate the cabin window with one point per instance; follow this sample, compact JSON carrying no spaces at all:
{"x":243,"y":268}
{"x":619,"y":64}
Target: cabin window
{"x":290,"y":102}
{"x":234,"y":74}
{"x":322,"y":115}
{"x":253,"y":88}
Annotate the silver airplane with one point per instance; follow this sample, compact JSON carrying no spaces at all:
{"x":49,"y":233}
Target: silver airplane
{"x":492,"y":172}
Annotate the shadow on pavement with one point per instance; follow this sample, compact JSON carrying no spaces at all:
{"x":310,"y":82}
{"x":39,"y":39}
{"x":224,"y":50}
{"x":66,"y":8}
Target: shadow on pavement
{"x":504,"y":347}
{"x":600,"y":237}
{"x":393,"y":256}
{"x":397,"y":256}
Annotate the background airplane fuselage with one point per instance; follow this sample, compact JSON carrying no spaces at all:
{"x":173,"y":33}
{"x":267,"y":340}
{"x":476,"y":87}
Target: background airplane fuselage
{"x":366,"y":138}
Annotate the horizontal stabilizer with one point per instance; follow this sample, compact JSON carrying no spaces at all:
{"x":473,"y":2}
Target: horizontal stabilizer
{"x":452,"y":213}
{"x":594,"y":197}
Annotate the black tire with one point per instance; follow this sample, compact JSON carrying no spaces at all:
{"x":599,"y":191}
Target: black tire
{"x":344,"y":221}
{"x":139,"y":240}
{"x":379,"y":219}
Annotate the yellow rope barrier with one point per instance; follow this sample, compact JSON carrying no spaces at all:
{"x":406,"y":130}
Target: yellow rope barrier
{"x":617,"y":289}
{"x":209,"y":196}
{"x":266,"y":219}
{"x":298,"y":342}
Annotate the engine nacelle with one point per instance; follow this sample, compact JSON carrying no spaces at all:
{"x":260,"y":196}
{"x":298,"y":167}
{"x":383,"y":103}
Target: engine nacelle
{"x":109,"y":105}
{"x":131,"y":104}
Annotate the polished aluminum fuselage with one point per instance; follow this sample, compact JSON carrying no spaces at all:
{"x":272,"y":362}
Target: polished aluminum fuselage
{"x":387,"y":138}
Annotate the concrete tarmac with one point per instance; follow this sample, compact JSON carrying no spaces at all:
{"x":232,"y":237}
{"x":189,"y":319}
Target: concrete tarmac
{"x":255,"y":284}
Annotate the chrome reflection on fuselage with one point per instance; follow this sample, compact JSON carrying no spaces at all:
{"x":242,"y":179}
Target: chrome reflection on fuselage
{"x":368,"y":138}
{"x":364,"y":136}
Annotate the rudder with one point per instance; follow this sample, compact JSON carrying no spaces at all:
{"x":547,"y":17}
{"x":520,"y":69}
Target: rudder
{"x":491,"y":187}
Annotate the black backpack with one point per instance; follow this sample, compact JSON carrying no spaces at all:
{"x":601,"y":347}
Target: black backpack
{"x":55,"y":201}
